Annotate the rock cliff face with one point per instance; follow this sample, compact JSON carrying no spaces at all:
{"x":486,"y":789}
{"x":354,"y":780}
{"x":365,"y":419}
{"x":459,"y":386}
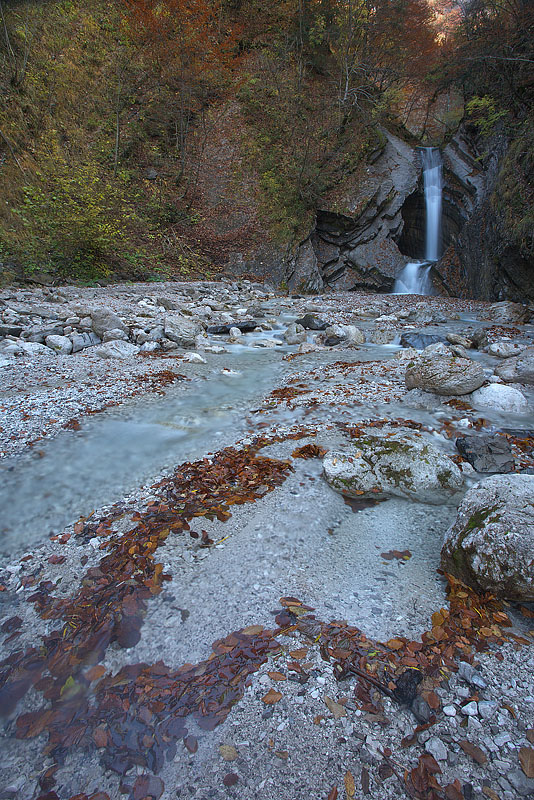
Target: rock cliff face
{"x":494,"y":250}
{"x":357,"y":248}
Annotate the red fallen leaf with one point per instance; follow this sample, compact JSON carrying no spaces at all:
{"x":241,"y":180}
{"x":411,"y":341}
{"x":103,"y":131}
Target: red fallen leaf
{"x":147,"y":786}
{"x":99,"y":796}
{"x":272,"y":697}
{"x":526,"y":757}
{"x":11,"y":624}
{"x":332,"y":794}
{"x":472,"y":750}
{"x":401,"y":555}
{"x":230,"y":779}
{"x":452,"y":792}
{"x":56,"y":559}
{"x":95,"y":673}
{"x":100,"y":736}
{"x":191,"y":744}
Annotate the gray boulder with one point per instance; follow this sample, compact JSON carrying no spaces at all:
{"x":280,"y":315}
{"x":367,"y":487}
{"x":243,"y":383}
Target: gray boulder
{"x":490,"y":546}
{"x":117,"y":349}
{"x":38,"y":333}
{"x":103,"y":320}
{"x":487,"y":453}
{"x":347,"y":334}
{"x":504,"y":349}
{"x":498,"y":397}
{"x":82,"y":340}
{"x":441,"y":372}
{"x":182,"y":330}
{"x":518,"y":370}
{"x":506,"y":312}
{"x":295,"y":334}
{"x":389,"y":463}
{"x":115,"y":333}
{"x":61,"y":344}
{"x":419,"y":340}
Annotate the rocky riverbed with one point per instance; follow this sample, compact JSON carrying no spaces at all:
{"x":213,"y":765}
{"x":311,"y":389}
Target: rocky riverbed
{"x":318,"y":451}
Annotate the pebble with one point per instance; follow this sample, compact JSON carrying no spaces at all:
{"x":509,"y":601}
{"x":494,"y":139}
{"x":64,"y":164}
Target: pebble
{"x":471,"y":709}
{"x":449,"y":711}
{"x":436,"y":748}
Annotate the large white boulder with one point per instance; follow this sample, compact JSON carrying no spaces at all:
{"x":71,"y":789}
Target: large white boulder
{"x":490,"y":546}
{"x":61,"y":344}
{"x":387,"y":463}
{"x":498,"y":397}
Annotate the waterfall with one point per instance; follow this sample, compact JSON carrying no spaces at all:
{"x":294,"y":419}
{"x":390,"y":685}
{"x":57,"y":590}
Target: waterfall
{"x":415,"y":277}
{"x":431,"y":158}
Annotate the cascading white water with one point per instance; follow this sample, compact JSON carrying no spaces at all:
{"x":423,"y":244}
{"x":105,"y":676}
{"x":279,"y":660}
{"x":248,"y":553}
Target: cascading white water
{"x":415,"y":277}
{"x":431,"y":158}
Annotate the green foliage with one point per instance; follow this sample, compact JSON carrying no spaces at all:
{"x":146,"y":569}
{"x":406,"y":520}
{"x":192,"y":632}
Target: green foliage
{"x":74,"y":220}
{"x":514,"y":193}
{"x":484,"y":113}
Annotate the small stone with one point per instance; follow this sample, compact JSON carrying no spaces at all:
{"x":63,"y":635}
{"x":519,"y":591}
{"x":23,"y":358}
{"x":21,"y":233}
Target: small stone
{"x":436,"y":748}
{"x":471,"y":709}
{"x":487,"y":708}
{"x":449,"y":711}
{"x":502,"y":738}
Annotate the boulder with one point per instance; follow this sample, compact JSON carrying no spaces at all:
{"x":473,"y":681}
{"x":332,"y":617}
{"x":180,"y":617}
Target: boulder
{"x":420,"y":340}
{"x":490,"y":546}
{"x":506,"y":312}
{"x":61,"y":344}
{"x":519,"y":369}
{"x":479,"y":338}
{"x":295,"y":334}
{"x":487,"y":453}
{"x":181,"y":330}
{"x":82,"y":340}
{"x":311,"y":322}
{"x":103,"y":320}
{"x":389,"y":463}
{"x":117,"y":349}
{"x":245,"y":326}
{"x":498,"y":397}
{"x":10,"y":330}
{"x":383,"y":335}
{"x":38,"y":333}
{"x":443,"y":373}
{"x":348,"y":334}
{"x":504,"y":349}
{"x":115,"y":333}
{"x":463,"y":341}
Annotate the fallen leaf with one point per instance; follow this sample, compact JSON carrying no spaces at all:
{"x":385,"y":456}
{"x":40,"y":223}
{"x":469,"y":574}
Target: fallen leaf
{"x":277,"y":676}
{"x":191,"y":744}
{"x":230,"y":779}
{"x":526,"y":757}
{"x":349,"y":785}
{"x":332,"y":794}
{"x":365,"y":780}
{"x":228,"y":752}
{"x":490,"y":793}
{"x":253,"y":630}
{"x":475,"y":752}
{"x":530,"y":735}
{"x":95,"y":672}
{"x":395,"y":644}
{"x":299,"y":654}
{"x":283,"y":754}
{"x":272,"y":697}
{"x":337,"y":710}
{"x":147,"y":786}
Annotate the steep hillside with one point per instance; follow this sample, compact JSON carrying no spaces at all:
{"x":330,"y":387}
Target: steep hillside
{"x":192,"y":136}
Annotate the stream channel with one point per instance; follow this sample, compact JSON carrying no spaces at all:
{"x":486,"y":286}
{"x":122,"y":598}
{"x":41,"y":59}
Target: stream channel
{"x":301,"y":539}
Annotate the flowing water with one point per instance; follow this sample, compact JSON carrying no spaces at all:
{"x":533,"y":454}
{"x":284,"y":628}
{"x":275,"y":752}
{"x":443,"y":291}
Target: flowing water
{"x":415,"y":277}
